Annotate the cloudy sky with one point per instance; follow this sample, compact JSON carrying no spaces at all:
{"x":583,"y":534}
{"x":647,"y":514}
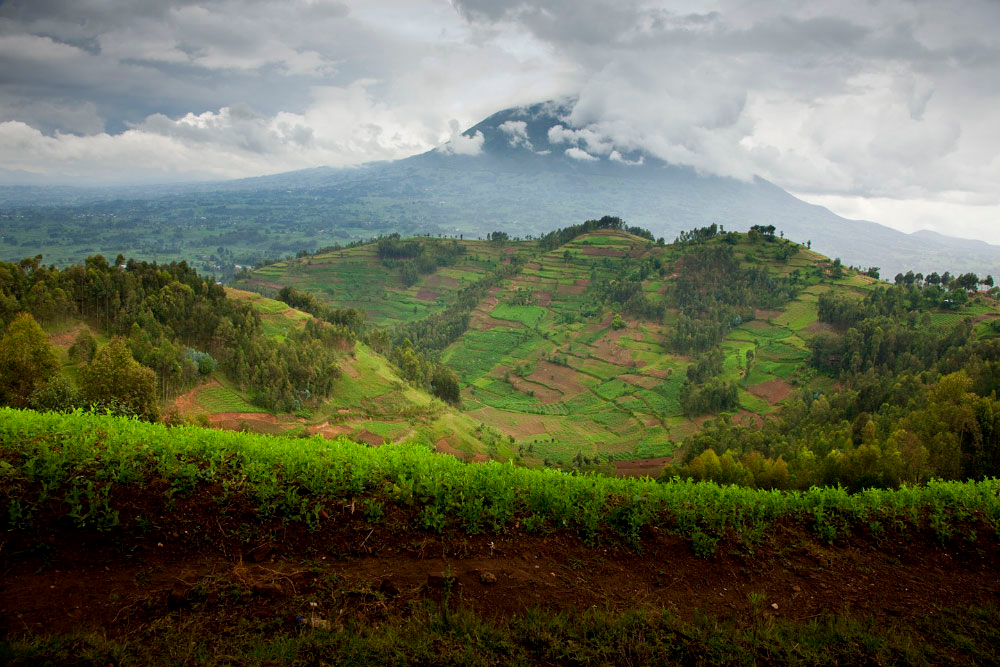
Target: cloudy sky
{"x":883,"y":110}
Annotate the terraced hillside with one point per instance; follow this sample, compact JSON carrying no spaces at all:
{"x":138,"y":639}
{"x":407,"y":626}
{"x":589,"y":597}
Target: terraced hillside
{"x":357,"y":278}
{"x":560,"y":358}
{"x":369,"y":403}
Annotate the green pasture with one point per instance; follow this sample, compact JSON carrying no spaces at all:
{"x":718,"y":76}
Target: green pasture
{"x":529,"y":316}
{"x":217,"y":399}
{"x":798,"y":314}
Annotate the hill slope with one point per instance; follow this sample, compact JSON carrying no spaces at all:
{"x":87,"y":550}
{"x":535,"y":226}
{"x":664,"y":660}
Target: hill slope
{"x":577,"y":353}
{"x":523,"y":182}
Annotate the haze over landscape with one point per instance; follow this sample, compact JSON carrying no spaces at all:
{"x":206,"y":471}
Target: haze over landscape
{"x":880,"y":111}
{"x":499,"y":332}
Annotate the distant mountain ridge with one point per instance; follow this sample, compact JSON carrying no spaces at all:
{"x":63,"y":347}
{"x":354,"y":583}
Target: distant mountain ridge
{"x":530,"y":173}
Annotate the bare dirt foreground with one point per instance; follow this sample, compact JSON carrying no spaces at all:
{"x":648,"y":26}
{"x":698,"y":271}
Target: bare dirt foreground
{"x":209,"y":575}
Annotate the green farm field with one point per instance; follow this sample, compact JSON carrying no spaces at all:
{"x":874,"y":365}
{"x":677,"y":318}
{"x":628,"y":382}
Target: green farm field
{"x":543,"y":361}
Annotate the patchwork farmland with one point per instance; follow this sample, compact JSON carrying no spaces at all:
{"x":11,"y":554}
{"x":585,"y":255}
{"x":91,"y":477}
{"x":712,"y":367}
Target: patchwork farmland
{"x":561,"y":371}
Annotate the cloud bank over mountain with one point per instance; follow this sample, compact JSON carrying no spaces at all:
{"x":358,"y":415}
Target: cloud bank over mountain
{"x":885,"y":109}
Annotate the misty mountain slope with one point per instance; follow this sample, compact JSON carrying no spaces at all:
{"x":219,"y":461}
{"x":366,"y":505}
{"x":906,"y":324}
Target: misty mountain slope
{"x":520,"y":170}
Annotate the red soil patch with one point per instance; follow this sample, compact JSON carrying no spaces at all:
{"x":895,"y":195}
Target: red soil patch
{"x":258,"y":422}
{"x":582,"y":282}
{"x":641,"y":467}
{"x":544,"y":394}
{"x":351,"y":371}
{"x":491,"y":301}
{"x":329,"y":431}
{"x":369,"y":438}
{"x":985,"y":316}
{"x":660,"y":373}
{"x":818,"y":327}
{"x":602,"y":252}
{"x":188,"y":401}
{"x":480,"y":458}
{"x":542,"y":298}
{"x":426,"y":294}
{"x":255,"y":416}
{"x":262,"y":283}
{"x":561,"y":378}
{"x":65,"y":339}
{"x":526,"y":426}
{"x":762,"y":314}
{"x":443,"y":447}
{"x":772,"y":391}
{"x":485,"y":322}
{"x":570,"y":289}
{"x":608,"y":349}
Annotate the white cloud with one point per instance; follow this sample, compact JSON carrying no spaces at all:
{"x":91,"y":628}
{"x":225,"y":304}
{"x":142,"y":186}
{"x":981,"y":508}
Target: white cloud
{"x":460,"y":144}
{"x":889,"y":101}
{"x":517,"y":130}
{"x":893,"y":101}
{"x":618,"y":157}
{"x":578,"y":154}
{"x":343,"y":126}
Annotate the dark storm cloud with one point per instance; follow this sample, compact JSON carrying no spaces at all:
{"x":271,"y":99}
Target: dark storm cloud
{"x":132,"y":59}
{"x":853,"y":102}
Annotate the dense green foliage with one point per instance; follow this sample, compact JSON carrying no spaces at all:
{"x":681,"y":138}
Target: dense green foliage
{"x":54,"y":458}
{"x":715,"y":293}
{"x":916,"y":402}
{"x":26,"y":361}
{"x":349,"y":318}
{"x":562,"y":236}
{"x":418,"y":256}
{"x":114,"y":380}
{"x":170,"y":316}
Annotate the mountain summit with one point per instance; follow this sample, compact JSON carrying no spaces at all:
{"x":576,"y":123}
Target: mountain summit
{"x":549,"y":174}
{"x":524,"y":170}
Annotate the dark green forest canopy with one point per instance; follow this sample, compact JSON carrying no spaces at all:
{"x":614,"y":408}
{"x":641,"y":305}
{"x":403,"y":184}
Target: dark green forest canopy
{"x":915,"y":401}
{"x":173,"y":318}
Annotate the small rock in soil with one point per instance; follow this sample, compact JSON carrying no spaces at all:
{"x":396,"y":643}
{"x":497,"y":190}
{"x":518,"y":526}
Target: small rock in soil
{"x":774,"y":606}
{"x":488,"y":578}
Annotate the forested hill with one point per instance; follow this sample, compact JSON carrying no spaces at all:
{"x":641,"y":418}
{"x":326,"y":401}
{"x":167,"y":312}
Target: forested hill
{"x":178,"y":326}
